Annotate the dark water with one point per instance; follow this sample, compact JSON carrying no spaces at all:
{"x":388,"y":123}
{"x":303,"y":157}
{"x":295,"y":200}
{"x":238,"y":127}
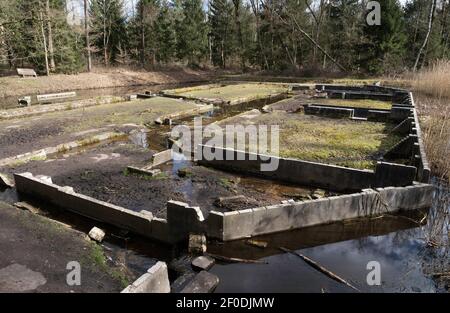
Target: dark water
{"x":401,"y":246}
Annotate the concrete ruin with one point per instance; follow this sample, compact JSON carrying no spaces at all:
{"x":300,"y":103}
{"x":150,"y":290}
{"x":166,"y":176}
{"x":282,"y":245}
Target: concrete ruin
{"x":389,"y":188}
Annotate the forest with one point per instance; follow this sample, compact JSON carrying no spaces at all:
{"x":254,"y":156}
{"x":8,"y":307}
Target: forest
{"x":283,"y":36}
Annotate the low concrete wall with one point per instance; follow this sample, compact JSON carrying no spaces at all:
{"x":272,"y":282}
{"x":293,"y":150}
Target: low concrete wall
{"x":42,"y":109}
{"x":181,"y":218}
{"x":66,"y":198}
{"x":306,"y":173}
{"x":271,"y":219}
{"x":43,"y":153}
{"x":156,"y":280}
{"x":329,"y":111}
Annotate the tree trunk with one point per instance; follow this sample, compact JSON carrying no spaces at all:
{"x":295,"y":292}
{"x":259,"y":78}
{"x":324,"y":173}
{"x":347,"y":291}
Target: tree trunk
{"x":50,"y":36}
{"x":86,"y":32}
{"x":425,"y":42}
{"x":237,"y":16}
{"x":44,"y":40}
{"x":142,"y":35}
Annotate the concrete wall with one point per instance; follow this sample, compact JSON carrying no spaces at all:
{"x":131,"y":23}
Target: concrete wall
{"x":306,"y":173}
{"x":63,"y":197}
{"x":156,"y":280}
{"x":181,"y":218}
{"x":271,"y":219}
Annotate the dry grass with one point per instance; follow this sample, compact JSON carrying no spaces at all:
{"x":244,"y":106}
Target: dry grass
{"x":434,"y":80}
{"x":433,"y":102}
{"x":434,"y":119}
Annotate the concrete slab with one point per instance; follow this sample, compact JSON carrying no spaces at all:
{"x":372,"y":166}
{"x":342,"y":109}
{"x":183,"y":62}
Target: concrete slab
{"x":203,"y":263}
{"x":156,"y":280}
{"x":203,"y":282}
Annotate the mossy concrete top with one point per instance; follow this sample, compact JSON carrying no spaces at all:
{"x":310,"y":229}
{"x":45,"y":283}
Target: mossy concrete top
{"x":231,"y":93}
{"x":363,"y":104}
{"x":356,"y":144}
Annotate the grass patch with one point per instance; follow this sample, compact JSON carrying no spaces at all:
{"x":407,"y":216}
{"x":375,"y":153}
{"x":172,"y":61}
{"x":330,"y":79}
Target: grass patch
{"x":96,"y":259}
{"x":333,"y":141}
{"x":340,"y":142}
{"x":233,"y":92}
{"x":365,"y":104}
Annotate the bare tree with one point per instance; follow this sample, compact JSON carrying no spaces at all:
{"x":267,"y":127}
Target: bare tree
{"x":427,"y":36}
{"x":86,"y":31}
{"x":44,"y":41}
{"x":50,"y":36}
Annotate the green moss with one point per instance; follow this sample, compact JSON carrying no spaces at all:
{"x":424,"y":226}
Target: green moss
{"x":334,"y":141}
{"x":232,"y":92}
{"x":367,"y":104}
{"x":97,"y":259}
{"x":226,"y":183}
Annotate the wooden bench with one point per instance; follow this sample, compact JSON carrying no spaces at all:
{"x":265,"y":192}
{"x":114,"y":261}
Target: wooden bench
{"x":26,"y":72}
{"x":55,"y":96}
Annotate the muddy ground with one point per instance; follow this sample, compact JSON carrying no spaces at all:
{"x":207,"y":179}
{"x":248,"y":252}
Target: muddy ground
{"x":38,"y":251}
{"x":101,"y":173}
{"x":27,"y":134}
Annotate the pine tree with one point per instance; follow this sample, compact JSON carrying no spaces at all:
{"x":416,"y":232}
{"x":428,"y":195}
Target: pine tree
{"x":192,"y":40}
{"x":221,"y":31}
{"x":385,"y":44}
{"x":165,"y":34}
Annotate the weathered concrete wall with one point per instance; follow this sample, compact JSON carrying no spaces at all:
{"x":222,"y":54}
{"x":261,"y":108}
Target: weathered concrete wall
{"x":156,"y":280}
{"x":329,"y":111}
{"x":181,"y":218}
{"x":41,"y":109}
{"x":66,"y":198}
{"x":43,"y":153}
{"x":306,"y":173}
{"x":271,"y":219}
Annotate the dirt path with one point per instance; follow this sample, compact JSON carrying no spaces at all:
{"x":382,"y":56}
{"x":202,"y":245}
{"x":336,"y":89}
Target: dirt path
{"x":38,"y":253}
{"x":16,"y":86}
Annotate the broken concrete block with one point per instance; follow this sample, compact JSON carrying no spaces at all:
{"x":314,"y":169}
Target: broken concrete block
{"x":132,"y":97}
{"x":67,"y":189}
{"x":203,"y":282}
{"x":158,"y":121}
{"x":45,"y":179}
{"x":197,"y":244}
{"x":24,"y":101}
{"x":167,"y":121}
{"x":162,"y":157}
{"x":182,"y":281}
{"x":156,"y":280}
{"x":97,"y":234}
{"x":5,"y":181}
{"x":203,"y":263}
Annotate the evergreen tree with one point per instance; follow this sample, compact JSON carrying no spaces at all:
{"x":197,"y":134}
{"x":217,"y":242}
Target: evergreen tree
{"x":384,"y":46}
{"x":221,"y":31}
{"x":165,"y":33}
{"x":192,"y":40}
